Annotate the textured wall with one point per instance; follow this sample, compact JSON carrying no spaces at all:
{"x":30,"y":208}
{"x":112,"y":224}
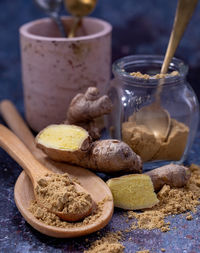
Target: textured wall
{"x":139,"y":27}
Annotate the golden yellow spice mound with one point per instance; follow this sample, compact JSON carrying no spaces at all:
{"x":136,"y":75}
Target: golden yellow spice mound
{"x":149,"y":147}
{"x":157,"y":76}
{"x":171,"y":201}
{"x":58,"y":193}
{"x":51,"y":219}
{"x":107,"y":244}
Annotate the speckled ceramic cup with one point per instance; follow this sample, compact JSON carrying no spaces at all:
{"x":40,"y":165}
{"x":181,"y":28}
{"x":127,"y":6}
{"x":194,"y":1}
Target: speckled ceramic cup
{"x":55,"y":69}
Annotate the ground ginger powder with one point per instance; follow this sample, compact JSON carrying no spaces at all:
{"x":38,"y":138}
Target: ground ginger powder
{"x":157,"y":76}
{"x":107,"y":244}
{"x":51,"y":219}
{"x":58,"y":193}
{"x":172,"y":201}
{"x":149,"y":147}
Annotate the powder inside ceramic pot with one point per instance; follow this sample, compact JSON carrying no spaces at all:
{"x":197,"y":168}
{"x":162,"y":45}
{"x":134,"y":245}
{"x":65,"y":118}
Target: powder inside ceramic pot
{"x":157,"y":76}
{"x":59,"y":194}
{"x":172,"y":201}
{"x":107,"y":244}
{"x":150,"y":147}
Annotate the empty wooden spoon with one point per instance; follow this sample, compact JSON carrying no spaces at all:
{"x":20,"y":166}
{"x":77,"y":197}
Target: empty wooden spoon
{"x":24,"y":190}
{"x":38,"y":174}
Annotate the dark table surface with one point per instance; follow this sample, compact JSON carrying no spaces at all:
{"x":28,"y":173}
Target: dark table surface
{"x":138,"y":28}
{"x":16,"y":235}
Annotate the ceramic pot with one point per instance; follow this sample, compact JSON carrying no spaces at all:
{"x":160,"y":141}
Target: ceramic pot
{"x":55,"y":69}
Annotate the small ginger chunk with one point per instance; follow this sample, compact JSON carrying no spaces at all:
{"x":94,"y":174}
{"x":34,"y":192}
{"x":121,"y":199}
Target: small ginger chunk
{"x":63,"y":137}
{"x":133,"y":192}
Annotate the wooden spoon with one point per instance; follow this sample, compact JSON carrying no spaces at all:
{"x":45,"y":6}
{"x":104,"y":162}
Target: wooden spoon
{"x":153,"y":116}
{"x":35,"y":170}
{"x":24,"y":190}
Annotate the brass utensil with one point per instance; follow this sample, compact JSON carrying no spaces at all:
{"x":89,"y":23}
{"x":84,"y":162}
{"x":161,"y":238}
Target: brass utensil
{"x":78,"y":9}
{"x":153,"y":116}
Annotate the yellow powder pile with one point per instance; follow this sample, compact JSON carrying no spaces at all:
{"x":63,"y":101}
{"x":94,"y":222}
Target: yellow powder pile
{"x":172,"y":201}
{"x":107,"y":244}
{"x":150,"y":147}
{"x":157,"y":76}
{"x":58,"y":193}
{"x":51,"y":219}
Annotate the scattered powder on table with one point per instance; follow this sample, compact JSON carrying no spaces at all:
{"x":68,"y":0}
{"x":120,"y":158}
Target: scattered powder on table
{"x":143,"y":251}
{"x":157,"y":76}
{"x":172,"y":201}
{"x":107,"y":244}
{"x":59,"y":194}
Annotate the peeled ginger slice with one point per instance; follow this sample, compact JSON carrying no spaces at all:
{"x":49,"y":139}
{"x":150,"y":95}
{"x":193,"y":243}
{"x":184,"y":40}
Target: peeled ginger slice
{"x":133,"y":192}
{"x":62,"y":137}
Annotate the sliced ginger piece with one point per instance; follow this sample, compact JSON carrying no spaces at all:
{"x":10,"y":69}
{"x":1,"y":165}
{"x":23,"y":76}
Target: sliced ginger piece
{"x":64,"y":143}
{"x":72,"y":144}
{"x":63,"y":137}
{"x":133,"y":192}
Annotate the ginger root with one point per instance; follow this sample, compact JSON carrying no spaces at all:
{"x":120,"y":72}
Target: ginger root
{"x":68,"y":143}
{"x":85,"y":108}
{"x":59,"y":141}
{"x":133,"y":192}
{"x":172,"y":174}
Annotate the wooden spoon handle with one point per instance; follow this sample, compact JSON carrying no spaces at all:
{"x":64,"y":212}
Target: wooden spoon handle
{"x":20,"y":153}
{"x":18,"y":125}
{"x":184,"y":11}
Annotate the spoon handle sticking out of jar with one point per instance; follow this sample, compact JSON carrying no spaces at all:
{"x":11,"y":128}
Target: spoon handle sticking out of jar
{"x":184,"y":11}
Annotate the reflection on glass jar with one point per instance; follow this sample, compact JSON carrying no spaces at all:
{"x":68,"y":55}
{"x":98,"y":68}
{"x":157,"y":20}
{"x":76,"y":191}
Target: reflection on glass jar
{"x":130,"y":93}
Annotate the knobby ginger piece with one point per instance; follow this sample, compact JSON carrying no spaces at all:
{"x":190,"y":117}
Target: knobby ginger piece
{"x":86,"y":110}
{"x":72,"y":144}
{"x":173,"y":174}
{"x":133,"y":192}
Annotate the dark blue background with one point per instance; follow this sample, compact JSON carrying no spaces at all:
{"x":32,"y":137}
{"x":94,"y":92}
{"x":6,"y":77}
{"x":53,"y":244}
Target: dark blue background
{"x":139,"y":27}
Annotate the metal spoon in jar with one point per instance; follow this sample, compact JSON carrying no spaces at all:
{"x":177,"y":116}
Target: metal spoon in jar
{"x":153,"y":116}
{"x":51,"y":7}
{"x":79,"y":9}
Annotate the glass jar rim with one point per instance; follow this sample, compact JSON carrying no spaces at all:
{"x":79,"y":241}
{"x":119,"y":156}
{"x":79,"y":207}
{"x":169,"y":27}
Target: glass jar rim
{"x":119,"y":65}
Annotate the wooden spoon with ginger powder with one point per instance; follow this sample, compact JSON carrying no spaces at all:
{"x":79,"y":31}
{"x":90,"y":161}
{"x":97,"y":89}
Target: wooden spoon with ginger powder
{"x":24,"y":195}
{"x":56,"y":192}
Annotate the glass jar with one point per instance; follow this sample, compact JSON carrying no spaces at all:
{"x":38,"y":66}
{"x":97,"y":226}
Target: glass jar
{"x":129,"y":94}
